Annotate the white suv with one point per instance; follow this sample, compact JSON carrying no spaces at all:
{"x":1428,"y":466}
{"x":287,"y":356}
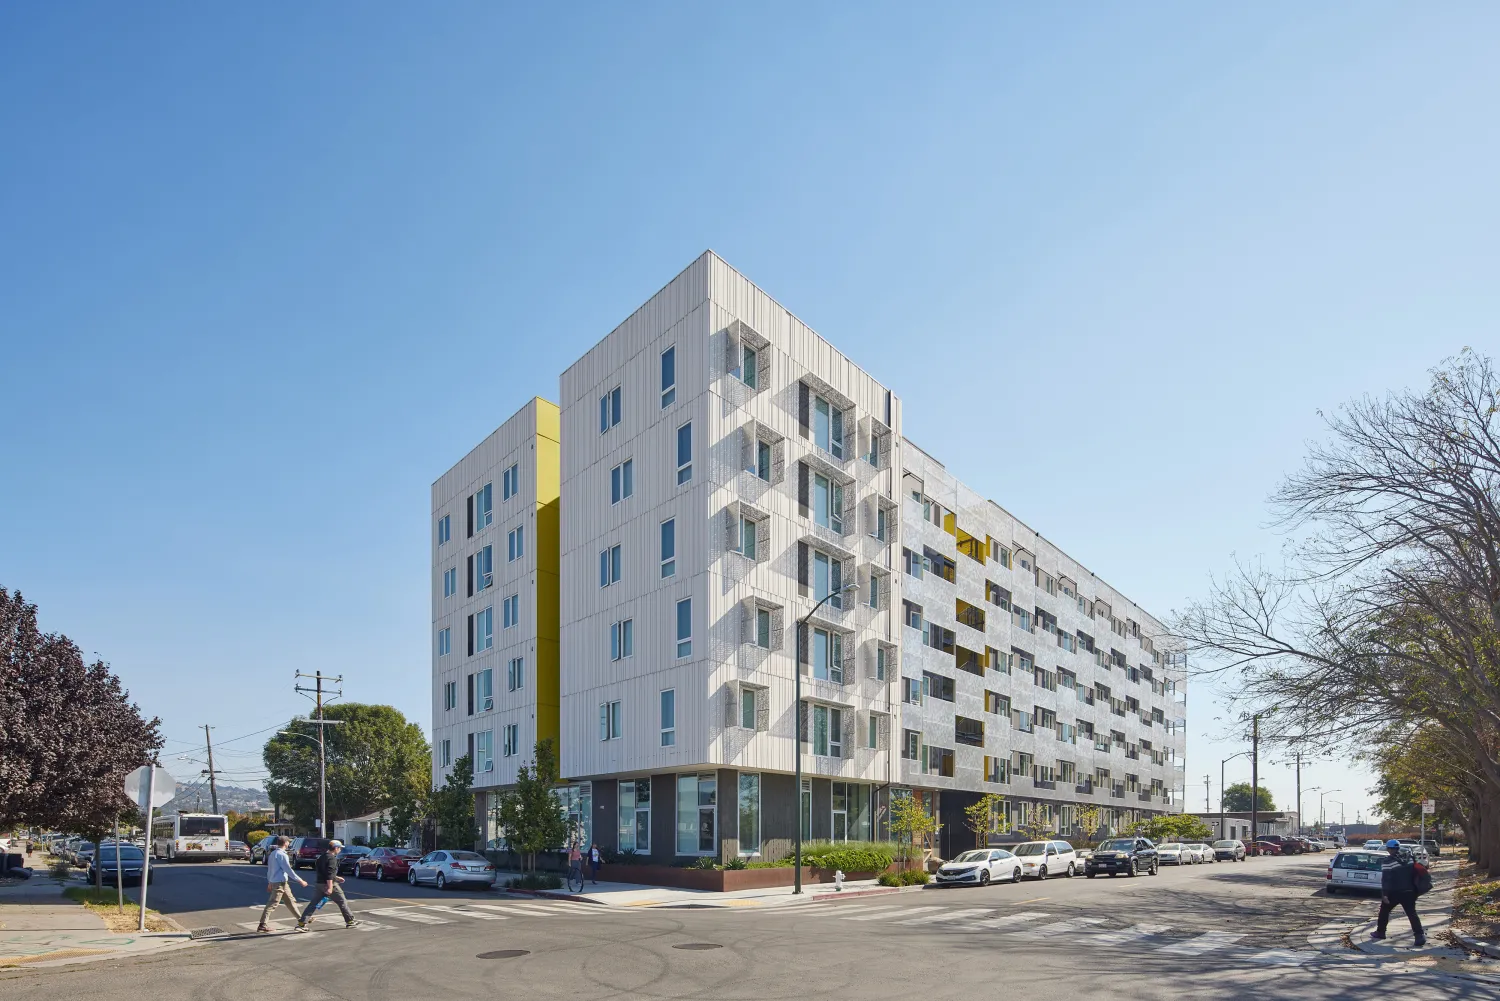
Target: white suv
{"x":1047,"y":858}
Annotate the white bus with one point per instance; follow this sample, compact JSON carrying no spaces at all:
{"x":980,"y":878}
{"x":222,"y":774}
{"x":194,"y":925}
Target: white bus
{"x":190,"y":836}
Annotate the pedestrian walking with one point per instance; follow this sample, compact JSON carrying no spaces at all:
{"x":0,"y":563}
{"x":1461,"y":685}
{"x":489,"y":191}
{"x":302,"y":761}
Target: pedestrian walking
{"x":329,"y":887}
{"x":279,"y":874}
{"x":595,"y":860}
{"x":1398,"y":887}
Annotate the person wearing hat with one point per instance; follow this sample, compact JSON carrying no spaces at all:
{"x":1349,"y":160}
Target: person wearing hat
{"x":1398,"y":886}
{"x":328,"y":887}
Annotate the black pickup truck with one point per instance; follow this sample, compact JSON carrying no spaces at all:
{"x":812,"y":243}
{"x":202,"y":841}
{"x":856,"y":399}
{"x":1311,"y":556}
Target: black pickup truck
{"x":1131,"y":856}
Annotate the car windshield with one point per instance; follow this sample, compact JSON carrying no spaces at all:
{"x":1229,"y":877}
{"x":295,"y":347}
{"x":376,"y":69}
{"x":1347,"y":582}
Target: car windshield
{"x":975,"y":856}
{"x":466,"y":856}
{"x":131,"y":854}
{"x":1197,"y":845}
{"x":1117,"y":846}
{"x":1223,"y":844}
{"x":1034,"y":848}
{"x":1357,"y":860}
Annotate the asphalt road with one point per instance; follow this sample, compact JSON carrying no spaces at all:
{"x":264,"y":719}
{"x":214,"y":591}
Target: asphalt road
{"x":1225,"y":931}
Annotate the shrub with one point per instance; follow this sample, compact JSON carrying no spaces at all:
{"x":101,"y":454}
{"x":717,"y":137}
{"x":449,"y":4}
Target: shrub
{"x":256,"y":837}
{"x":785,"y":863}
{"x":850,"y":856}
{"x":915,"y":877}
{"x":535,"y":881}
{"x":889,"y":879}
{"x":737,"y":863}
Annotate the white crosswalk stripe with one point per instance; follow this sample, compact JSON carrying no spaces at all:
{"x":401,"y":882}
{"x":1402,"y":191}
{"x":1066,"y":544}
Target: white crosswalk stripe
{"x":1206,"y":942}
{"x":1126,"y":935}
{"x":523,"y":908}
{"x":909,"y":913}
{"x":1060,"y":927}
{"x":409,"y":914}
{"x":465,"y":912}
{"x":946,"y":916}
{"x":1280,"y":957}
{"x":1006,"y":920}
{"x":867,"y":912}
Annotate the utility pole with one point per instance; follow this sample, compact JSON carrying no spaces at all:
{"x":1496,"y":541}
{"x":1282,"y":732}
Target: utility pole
{"x":318,"y":678}
{"x":1255,"y":784}
{"x":1299,"y":793}
{"x":1207,"y":792}
{"x":213,"y":790}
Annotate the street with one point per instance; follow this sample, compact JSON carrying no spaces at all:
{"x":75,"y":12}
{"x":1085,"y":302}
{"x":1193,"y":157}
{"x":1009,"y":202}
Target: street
{"x":1218,"y":931}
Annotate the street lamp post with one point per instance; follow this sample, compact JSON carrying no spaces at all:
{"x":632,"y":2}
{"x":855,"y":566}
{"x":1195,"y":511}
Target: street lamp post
{"x":322,"y":769}
{"x":797,"y":724}
{"x":1321,"y":793}
{"x":1222,"y":834}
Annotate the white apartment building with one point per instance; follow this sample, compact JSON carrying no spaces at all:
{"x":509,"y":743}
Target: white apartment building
{"x":495,"y":600}
{"x":724,"y":469}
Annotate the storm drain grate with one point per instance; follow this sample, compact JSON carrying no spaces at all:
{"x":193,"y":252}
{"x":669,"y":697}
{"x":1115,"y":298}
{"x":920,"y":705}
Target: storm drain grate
{"x":209,"y":932}
{"x":504,"y":954}
{"x":697,"y":946}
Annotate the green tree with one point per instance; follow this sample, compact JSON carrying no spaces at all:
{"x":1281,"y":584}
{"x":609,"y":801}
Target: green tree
{"x":1237,"y":798}
{"x":1173,"y":826}
{"x":452,"y":807}
{"x":1089,"y":818}
{"x":530,"y":814}
{"x":374,"y":757}
{"x":986,"y":816}
{"x":910,"y":824}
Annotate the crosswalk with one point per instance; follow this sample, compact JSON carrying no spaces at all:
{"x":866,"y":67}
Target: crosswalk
{"x":375,"y":919}
{"x":1080,"y":931}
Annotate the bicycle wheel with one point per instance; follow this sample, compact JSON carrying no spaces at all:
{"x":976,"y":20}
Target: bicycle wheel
{"x":575,"y":881}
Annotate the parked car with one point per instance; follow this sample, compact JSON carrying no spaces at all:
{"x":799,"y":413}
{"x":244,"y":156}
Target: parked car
{"x":1229,"y":850}
{"x":1047,"y":858}
{"x":305,"y":851}
{"x":1355,"y":871}
{"x":1374,"y":845}
{"x":1173,"y":853}
{"x":980,"y":867}
{"x":105,"y":870}
{"x":1269,"y":848}
{"x":349,"y":857}
{"x":1131,"y":856}
{"x":451,"y":868}
{"x":1201,"y":852}
{"x":1310,"y":845}
{"x":1432,"y":847}
{"x":262,"y":848}
{"x":83,"y":855}
{"x":238,"y":851}
{"x":1414,"y":847}
{"x":386,"y":863}
{"x":1287,"y":846}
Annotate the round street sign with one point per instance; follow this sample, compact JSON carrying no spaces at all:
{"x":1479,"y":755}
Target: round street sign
{"x":164,"y":788}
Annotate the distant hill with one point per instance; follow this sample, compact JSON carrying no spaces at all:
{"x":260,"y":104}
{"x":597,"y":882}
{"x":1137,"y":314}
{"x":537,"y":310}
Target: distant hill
{"x":194,"y":798}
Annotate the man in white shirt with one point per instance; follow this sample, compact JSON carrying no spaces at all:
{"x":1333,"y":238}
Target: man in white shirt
{"x":279,"y":874}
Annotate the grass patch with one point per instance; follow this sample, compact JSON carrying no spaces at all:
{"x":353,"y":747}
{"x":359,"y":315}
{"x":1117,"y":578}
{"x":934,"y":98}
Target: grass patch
{"x":535,"y":881}
{"x":1476,"y":903}
{"x":105,"y":903}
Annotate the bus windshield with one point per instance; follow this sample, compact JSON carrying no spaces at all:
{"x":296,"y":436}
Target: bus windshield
{"x":204,"y":827}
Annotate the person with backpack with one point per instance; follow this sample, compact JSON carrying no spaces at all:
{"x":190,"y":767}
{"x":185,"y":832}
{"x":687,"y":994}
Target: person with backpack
{"x":1402,"y":880}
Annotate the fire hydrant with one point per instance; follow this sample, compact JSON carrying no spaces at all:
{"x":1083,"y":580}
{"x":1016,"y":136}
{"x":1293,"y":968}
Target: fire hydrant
{"x":838,"y":881}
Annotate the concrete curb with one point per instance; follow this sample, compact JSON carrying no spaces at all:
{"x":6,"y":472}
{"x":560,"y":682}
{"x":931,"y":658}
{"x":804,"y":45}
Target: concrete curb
{"x":580,"y":898}
{"x":1475,"y":945}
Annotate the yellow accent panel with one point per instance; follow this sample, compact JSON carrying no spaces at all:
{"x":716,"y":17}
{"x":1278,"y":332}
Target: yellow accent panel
{"x":950,"y":524}
{"x":549,"y":564}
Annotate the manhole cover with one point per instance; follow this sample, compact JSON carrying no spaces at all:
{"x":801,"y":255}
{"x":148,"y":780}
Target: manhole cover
{"x":697,"y":946}
{"x":504,"y":954}
{"x":206,"y":932}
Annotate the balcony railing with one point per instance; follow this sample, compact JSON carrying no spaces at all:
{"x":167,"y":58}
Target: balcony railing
{"x":1044,"y":783}
{"x":1085,"y":788}
{"x":1145,"y":797}
{"x":1118,"y":792}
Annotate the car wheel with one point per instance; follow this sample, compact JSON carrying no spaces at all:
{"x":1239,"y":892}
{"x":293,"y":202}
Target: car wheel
{"x":984,"y":878}
{"x":1332,"y":890}
{"x":380,"y":874}
{"x":441,"y":883}
{"x":1015,"y":876}
{"x":1155,"y":868}
{"x":1134,"y":871}
{"x":1090,"y":875}
{"x":411,"y":876}
{"x":1041,"y":872}
{"x":1070,"y":870}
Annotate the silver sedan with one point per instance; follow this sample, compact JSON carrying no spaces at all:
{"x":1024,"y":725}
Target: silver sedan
{"x":451,"y":868}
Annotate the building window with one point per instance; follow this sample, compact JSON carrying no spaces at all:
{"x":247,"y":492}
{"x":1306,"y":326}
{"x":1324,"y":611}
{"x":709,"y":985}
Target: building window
{"x":622,"y":481}
{"x":484,"y":629}
{"x":882,"y":656}
{"x":828,"y":656}
{"x":761,"y":466}
{"x":512,"y":606}
{"x":484,"y":568}
{"x":828,"y":503}
{"x":685,"y":453}
{"x":484,"y":689}
{"x":511,"y":740}
{"x":685,"y":627}
{"x":828,"y":427}
{"x":609,"y":720}
{"x":510,"y":482}
{"x":827,"y":731}
{"x":878,"y":530}
{"x":750,"y":367}
{"x":450,"y":695}
{"x":828,"y":579}
{"x":697,"y":814}
{"x":763,"y":628}
{"x":874,"y":589}
{"x":609,"y":566}
{"x":622,"y":639}
{"x":669,"y":717}
{"x":445,"y":529}
{"x":911,"y":744}
{"x":873,"y":456}
{"x":484,"y":509}
{"x":635,"y":816}
{"x":515,"y":675}
{"x":484,"y":752}
{"x":669,"y":547}
{"x":806,"y":798}
{"x":747,"y":708}
{"x":450,"y":582}
{"x":749,"y":802}
{"x":445,"y":641}
{"x":445,"y":754}
{"x":872,"y":732}
{"x":747,"y":538}
{"x":668,"y":377}
{"x":609,"y":410}
{"x":515,"y":543}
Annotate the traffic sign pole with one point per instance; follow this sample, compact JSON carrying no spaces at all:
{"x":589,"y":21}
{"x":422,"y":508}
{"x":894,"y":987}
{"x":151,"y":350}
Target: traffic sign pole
{"x":146,"y":855}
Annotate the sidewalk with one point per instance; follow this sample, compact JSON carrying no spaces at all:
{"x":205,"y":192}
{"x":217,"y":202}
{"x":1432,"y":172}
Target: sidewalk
{"x":612,"y":894}
{"x":1436,"y":911}
{"x":40,"y":927}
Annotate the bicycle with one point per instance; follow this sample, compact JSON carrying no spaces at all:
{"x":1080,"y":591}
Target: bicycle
{"x":575,"y":877}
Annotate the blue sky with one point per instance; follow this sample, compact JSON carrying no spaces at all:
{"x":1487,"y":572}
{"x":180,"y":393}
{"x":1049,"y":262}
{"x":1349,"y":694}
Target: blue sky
{"x":267,"y":272}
